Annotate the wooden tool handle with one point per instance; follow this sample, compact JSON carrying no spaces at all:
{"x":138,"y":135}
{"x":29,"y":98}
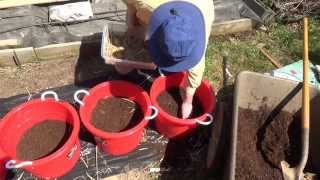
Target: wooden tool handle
{"x":305,"y":91}
{"x":270,"y":58}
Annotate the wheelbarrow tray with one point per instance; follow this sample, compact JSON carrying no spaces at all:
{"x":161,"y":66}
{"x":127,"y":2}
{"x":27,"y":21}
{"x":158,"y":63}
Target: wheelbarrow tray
{"x":251,"y":88}
{"x":105,"y":48}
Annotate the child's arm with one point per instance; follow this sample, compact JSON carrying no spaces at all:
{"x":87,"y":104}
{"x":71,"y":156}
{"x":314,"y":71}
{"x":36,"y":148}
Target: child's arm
{"x":131,"y":17}
{"x":135,"y":30}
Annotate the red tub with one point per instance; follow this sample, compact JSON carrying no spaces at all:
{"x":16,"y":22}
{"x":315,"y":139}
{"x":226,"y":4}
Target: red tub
{"x":126,"y":141}
{"x":173,"y":127}
{"x":3,"y":160}
{"x":25,"y":116}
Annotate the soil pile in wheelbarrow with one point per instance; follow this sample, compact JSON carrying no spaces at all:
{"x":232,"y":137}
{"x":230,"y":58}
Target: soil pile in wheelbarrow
{"x":264,"y":140}
{"x":171,"y":100}
{"x":43,"y":139}
{"x":116,"y":114}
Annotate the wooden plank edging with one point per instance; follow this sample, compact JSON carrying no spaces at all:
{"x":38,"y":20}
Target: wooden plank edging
{"x":233,"y":26}
{"x":15,"y":3}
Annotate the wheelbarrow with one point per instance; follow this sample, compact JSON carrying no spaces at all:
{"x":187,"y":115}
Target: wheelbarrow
{"x":250,"y":90}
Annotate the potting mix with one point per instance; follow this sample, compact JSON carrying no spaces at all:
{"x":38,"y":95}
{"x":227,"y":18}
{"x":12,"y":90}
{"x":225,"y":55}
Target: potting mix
{"x":170,"y":101}
{"x":43,"y":139}
{"x":265,"y":138}
{"x":116,"y":114}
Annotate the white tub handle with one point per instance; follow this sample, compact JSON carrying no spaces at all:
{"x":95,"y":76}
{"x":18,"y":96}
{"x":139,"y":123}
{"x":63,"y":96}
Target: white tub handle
{"x":205,"y":123}
{"x":12,"y":164}
{"x":160,"y":72}
{"x":54,"y":94}
{"x":155,"y":113}
{"x":76,"y":94}
{"x":100,"y":141}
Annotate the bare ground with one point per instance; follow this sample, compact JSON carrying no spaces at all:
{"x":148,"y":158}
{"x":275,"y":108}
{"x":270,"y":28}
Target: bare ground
{"x":35,"y":77}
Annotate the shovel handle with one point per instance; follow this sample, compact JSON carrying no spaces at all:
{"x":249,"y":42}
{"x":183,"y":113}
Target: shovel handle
{"x":296,"y":173}
{"x":305,"y":91}
{"x":305,"y":104}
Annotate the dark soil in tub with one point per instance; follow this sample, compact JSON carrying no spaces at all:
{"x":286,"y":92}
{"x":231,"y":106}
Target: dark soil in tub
{"x":43,"y":139}
{"x":116,"y":114}
{"x":264,"y":140}
{"x":171,"y":100}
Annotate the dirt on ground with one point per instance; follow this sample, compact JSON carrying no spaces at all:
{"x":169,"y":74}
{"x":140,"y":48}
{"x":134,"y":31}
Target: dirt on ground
{"x":170,"y":101}
{"x":34,"y":77}
{"x":43,"y":139}
{"x":264,"y":140}
{"x":116,"y":114}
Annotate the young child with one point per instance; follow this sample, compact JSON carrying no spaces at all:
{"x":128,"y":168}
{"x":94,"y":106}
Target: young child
{"x":177,"y":33}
